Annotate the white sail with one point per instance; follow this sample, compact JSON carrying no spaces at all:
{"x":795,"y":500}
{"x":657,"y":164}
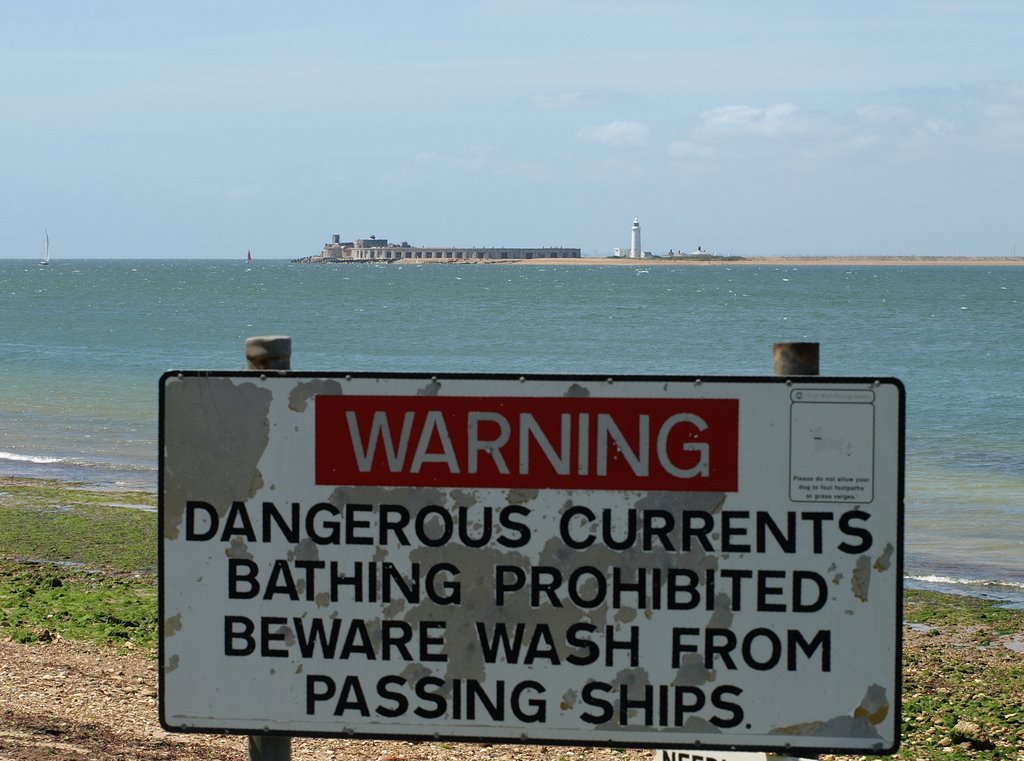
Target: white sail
{"x":46,"y":247}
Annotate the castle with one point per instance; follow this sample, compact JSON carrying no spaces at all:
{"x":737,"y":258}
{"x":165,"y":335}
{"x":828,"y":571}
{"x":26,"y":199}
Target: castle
{"x":379,"y":250}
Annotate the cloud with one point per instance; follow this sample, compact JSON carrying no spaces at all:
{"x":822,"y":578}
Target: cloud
{"x":617,"y":133}
{"x":939,"y":127}
{"x":742,"y":132}
{"x":780,"y":120}
{"x":929,"y":121}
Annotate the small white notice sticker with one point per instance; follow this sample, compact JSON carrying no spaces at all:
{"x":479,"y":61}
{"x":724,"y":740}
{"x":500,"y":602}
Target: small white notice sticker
{"x":831,"y":451}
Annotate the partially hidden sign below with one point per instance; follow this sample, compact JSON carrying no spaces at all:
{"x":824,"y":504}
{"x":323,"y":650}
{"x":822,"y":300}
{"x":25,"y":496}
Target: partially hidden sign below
{"x":652,"y":562}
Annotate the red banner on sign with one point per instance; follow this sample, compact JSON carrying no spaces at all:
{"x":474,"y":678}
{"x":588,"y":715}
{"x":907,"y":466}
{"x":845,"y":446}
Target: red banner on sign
{"x":528,"y":442}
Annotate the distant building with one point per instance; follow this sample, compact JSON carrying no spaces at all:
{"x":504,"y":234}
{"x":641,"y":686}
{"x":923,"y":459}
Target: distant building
{"x":635,"y":252}
{"x":378,"y":249}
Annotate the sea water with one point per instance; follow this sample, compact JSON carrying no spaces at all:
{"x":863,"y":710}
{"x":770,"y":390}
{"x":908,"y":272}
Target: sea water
{"x":85,"y":342}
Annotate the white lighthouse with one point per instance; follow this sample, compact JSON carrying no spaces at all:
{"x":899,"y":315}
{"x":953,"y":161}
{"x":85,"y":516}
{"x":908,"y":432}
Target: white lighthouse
{"x":635,"y":252}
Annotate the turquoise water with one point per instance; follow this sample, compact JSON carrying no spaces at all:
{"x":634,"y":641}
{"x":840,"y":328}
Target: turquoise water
{"x":84,"y":344}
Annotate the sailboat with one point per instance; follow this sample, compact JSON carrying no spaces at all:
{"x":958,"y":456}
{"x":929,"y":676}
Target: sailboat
{"x":46,"y":248}
{"x":248,"y":257}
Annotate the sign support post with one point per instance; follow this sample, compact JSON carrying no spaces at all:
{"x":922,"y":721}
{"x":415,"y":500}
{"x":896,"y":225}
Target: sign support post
{"x":269,"y":353}
{"x":795,"y":358}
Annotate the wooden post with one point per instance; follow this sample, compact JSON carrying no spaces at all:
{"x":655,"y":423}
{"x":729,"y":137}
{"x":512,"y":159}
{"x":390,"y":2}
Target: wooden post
{"x":269,"y":353}
{"x":796,"y":359}
{"x":270,"y":748}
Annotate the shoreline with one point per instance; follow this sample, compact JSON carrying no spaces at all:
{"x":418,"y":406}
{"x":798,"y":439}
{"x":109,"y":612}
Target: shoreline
{"x":773,"y":261}
{"x":756,"y":261}
{"x":1004,"y":589}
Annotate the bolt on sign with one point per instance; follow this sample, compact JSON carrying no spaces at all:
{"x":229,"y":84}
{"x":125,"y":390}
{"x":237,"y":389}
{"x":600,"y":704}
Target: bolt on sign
{"x":658,"y":562}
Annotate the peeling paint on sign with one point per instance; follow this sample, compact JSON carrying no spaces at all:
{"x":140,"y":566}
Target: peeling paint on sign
{"x":230,"y":418}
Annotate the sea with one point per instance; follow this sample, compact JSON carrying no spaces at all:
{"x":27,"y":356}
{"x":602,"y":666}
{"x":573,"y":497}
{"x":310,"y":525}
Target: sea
{"x":84,"y":343}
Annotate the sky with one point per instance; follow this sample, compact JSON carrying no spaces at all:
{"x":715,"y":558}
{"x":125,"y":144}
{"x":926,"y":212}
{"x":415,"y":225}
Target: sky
{"x":208,"y":129}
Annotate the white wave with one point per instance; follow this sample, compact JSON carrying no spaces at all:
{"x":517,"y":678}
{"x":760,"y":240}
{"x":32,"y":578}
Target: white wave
{"x":29,"y":458}
{"x":933,"y":579}
{"x":952,"y":580}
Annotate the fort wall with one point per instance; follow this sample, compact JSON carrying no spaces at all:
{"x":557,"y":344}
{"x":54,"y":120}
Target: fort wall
{"x":379,"y":249}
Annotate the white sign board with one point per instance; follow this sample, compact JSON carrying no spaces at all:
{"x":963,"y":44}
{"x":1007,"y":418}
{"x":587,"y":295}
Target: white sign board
{"x":651,"y":562}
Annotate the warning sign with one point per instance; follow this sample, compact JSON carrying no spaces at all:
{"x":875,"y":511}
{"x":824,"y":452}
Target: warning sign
{"x":660,"y":562}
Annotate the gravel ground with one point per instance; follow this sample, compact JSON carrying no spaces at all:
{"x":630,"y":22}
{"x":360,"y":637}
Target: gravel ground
{"x":68,"y":700}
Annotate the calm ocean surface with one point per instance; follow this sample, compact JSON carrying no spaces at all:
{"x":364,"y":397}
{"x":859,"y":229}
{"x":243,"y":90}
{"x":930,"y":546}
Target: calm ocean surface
{"x":85,"y":342}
